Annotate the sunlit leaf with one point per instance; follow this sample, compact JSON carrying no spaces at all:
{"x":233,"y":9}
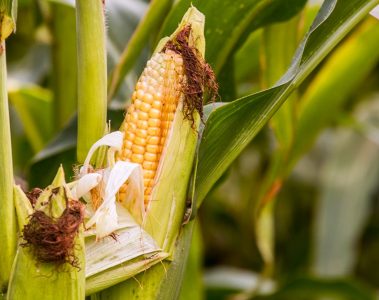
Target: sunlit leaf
{"x":231,"y":127}
{"x":34,"y":107}
{"x":331,"y":88}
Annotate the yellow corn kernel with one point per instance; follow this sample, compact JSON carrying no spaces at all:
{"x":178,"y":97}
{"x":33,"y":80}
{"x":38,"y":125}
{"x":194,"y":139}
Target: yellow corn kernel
{"x":148,"y":119}
{"x":143,"y":115}
{"x":138,"y":149}
{"x":148,"y":182}
{"x":148,"y":98}
{"x":152,"y":148}
{"x":142,"y":133}
{"x":154,"y":122}
{"x":157,"y":104}
{"x":137,"y":158}
{"x":128,"y":144}
{"x":148,"y":174}
{"x":155,"y":113}
{"x":145,"y":107}
{"x":150,"y":156}
{"x":142,"y":124}
{"x":153,"y":131}
{"x":129,"y":136}
{"x":149,"y":165}
{"x":153,"y":140}
{"x":137,"y":103}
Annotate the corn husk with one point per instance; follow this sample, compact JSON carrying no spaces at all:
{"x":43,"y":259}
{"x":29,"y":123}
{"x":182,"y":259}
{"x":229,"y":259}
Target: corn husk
{"x":165,"y":213}
{"x":31,"y":279}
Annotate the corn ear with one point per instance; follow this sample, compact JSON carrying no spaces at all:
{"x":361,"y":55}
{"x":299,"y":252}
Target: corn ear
{"x":166,"y":201}
{"x":173,"y":142}
{"x":32,"y":279}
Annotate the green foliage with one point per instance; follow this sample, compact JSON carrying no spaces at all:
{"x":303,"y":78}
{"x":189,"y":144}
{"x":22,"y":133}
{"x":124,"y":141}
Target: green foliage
{"x":34,"y":108}
{"x":242,"y":164}
{"x":246,"y":116}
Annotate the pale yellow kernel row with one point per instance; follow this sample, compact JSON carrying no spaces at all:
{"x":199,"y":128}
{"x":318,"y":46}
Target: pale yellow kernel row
{"x":150,"y":115}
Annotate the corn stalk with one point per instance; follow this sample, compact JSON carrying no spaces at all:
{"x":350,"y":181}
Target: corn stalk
{"x":64,"y":73}
{"x":92,"y":76}
{"x":7,"y":214}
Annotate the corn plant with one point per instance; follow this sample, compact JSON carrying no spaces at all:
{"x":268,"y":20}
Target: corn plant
{"x":134,"y":125}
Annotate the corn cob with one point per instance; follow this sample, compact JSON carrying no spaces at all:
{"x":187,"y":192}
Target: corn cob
{"x":149,"y":117}
{"x":175,"y":76}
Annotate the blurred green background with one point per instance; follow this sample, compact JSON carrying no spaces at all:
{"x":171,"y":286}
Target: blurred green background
{"x":296,"y":215}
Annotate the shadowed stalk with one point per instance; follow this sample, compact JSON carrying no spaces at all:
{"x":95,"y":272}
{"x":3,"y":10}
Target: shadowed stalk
{"x":92,"y":76}
{"x":7,"y":213}
{"x":8,"y":238}
{"x":64,"y":63}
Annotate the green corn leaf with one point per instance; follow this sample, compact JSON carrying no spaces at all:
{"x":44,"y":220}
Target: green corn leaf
{"x":232,"y":126}
{"x":34,"y":106}
{"x":279,"y":44}
{"x":330,"y":89}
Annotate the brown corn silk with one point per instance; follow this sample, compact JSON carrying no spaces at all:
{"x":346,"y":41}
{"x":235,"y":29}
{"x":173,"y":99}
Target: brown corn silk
{"x":53,"y":239}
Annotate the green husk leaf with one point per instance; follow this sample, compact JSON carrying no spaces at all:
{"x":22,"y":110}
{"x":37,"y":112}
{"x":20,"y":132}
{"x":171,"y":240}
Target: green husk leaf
{"x":111,"y":277}
{"x":34,"y":279}
{"x":165,"y":215}
{"x":23,"y":206}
